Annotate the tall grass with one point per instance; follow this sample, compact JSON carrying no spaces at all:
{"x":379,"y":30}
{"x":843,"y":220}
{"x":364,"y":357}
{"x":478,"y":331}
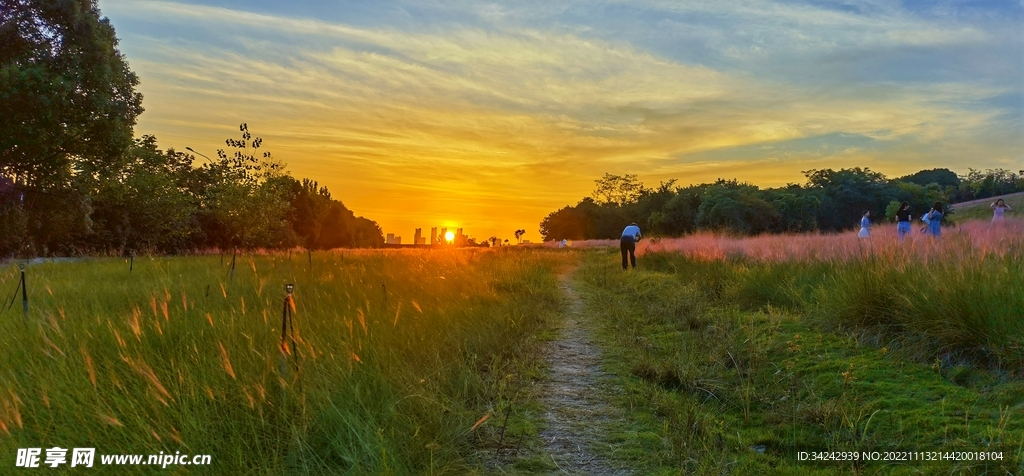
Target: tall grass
{"x":397,"y":355}
{"x":958,"y":296}
{"x":719,"y":377}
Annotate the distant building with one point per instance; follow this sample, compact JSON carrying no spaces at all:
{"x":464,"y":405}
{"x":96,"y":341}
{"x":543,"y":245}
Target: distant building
{"x":416,"y":236}
{"x":393,"y":240}
{"x":433,"y":235}
{"x":421,"y":240}
{"x":526,"y":242}
{"x":443,"y":236}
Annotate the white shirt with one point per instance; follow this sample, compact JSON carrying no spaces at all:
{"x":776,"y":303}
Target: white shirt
{"x":633,"y":231}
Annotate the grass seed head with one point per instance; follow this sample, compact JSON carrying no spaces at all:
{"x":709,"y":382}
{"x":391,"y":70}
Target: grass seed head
{"x":226,"y":361}
{"x":109,"y":420}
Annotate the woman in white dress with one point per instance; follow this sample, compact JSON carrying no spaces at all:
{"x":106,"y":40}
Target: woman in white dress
{"x":999,"y":208}
{"x":865,"y":225}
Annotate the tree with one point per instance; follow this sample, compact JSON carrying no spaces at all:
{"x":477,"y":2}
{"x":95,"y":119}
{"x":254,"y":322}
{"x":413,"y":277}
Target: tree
{"x":737,"y":208}
{"x":310,"y":205}
{"x":797,"y":208}
{"x":57,"y":220}
{"x":652,"y":202}
{"x":569,"y":223}
{"x":679,"y":214}
{"x":943,"y":177}
{"x":145,"y":203}
{"x":519,"y":234}
{"x":12,"y":219}
{"x":366,"y":233}
{"x":493,"y":240}
{"x":845,"y":194}
{"x":249,"y":201}
{"x":618,"y":190}
{"x":67,"y":95}
{"x":991,"y":182}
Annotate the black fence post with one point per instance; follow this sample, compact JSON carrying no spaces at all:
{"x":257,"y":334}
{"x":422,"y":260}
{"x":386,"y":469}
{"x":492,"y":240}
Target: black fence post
{"x":288,"y":324}
{"x":24,"y":292}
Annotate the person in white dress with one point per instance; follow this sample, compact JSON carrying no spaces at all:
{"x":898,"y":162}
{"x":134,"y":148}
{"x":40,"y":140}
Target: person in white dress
{"x":865,"y":225}
{"x":999,"y":208}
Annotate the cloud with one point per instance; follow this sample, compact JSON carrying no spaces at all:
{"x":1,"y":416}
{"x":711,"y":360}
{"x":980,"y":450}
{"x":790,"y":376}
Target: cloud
{"x":408,"y":126}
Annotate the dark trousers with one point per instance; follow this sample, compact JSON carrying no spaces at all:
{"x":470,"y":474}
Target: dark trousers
{"x":628,"y":248}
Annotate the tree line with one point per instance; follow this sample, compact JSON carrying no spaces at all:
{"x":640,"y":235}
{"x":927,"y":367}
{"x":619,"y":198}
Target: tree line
{"x":829,"y":201}
{"x":74,"y":179}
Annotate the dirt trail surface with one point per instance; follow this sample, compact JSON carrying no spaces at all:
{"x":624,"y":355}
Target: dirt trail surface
{"x":573,"y":395}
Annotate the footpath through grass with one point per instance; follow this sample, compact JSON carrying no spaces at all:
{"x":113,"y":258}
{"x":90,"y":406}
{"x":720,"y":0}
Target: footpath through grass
{"x":412,"y":362}
{"x":736,"y":367}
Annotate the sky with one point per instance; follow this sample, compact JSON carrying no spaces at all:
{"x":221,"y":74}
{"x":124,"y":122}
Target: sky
{"x":489,"y":116}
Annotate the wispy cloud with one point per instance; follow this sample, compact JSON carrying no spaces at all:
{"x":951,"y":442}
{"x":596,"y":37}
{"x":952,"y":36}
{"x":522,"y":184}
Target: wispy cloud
{"x":507,"y":112}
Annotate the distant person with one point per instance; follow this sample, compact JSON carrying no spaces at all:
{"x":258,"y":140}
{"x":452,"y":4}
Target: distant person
{"x":935,"y":220}
{"x":627,"y":245}
{"x":999,"y":208}
{"x":865,"y":225}
{"x":903,"y":221}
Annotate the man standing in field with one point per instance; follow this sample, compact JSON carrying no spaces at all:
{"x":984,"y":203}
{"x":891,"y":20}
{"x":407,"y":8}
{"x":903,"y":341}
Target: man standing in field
{"x":627,"y":245}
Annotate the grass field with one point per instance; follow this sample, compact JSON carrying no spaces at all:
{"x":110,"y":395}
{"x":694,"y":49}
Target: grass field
{"x":399,"y":357}
{"x":736,"y":354}
{"x":981,"y":209}
{"x":729,"y":356}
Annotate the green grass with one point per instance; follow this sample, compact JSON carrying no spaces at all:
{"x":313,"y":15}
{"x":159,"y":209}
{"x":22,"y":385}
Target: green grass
{"x":176,"y":357}
{"x":981,"y":210}
{"x":734,"y":367}
{"x":726,"y":366}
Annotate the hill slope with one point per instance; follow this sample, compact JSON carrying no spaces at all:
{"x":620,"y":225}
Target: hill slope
{"x":980,"y":210}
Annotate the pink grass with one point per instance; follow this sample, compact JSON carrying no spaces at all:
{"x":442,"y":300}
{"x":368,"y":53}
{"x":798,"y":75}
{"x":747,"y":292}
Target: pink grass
{"x":970,"y":240}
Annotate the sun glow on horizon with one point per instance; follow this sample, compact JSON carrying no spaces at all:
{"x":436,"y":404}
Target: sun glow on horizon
{"x":523,"y":107}
{"x":449,"y":237}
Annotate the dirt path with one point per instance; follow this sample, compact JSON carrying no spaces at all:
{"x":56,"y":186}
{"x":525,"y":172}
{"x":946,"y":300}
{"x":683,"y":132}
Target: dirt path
{"x":573,"y":395}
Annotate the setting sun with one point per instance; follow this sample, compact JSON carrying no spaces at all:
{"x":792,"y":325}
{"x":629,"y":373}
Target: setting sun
{"x":451,"y":201}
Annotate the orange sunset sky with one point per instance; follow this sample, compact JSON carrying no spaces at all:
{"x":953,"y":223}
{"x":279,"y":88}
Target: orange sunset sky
{"x":489,"y":116}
